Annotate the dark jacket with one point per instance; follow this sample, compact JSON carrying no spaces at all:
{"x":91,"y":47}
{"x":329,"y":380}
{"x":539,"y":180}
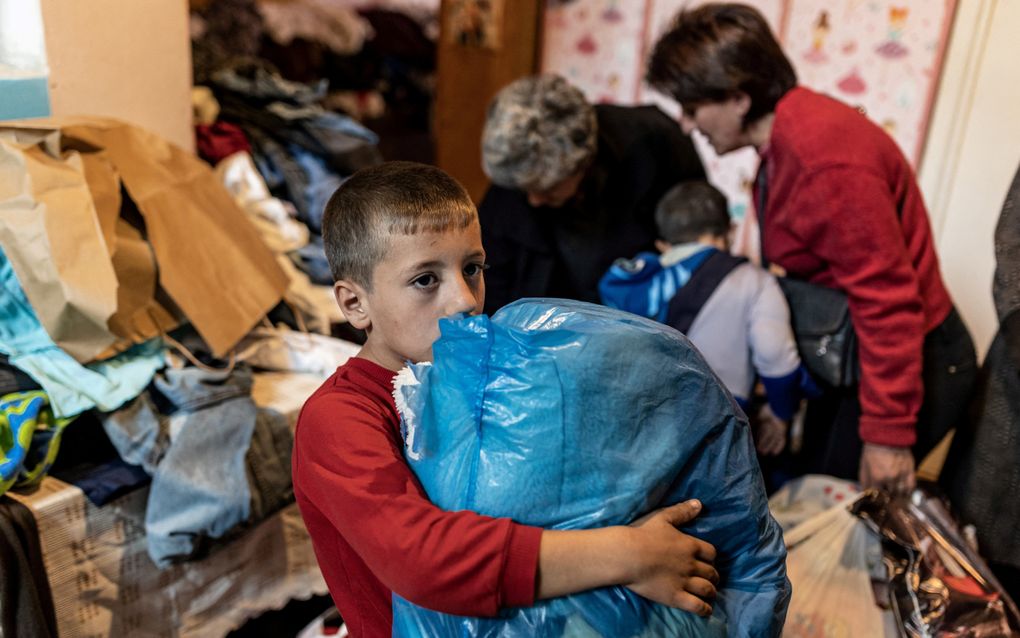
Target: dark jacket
{"x":982,"y":471}
{"x":550,"y":252}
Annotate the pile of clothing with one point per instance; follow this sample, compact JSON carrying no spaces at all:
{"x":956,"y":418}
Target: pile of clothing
{"x":282,"y":89}
{"x":286,"y":94}
{"x":136,"y":301}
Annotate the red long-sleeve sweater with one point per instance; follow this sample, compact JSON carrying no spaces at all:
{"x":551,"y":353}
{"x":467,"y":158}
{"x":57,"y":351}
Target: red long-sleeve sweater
{"x":373,"y":528}
{"x":844,"y":210}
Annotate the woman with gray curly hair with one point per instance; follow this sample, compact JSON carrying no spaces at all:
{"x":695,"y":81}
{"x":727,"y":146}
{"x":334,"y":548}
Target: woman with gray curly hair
{"x":574,"y":187}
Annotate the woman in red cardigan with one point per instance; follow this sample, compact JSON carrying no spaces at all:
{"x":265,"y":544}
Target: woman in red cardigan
{"x":842,"y":209}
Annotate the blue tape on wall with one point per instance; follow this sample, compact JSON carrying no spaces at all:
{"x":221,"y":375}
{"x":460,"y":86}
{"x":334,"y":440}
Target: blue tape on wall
{"x":24,"y":98}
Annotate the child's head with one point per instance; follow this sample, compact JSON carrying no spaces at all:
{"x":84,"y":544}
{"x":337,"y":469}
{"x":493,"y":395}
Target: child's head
{"x":404,"y":246}
{"x":692,"y":211}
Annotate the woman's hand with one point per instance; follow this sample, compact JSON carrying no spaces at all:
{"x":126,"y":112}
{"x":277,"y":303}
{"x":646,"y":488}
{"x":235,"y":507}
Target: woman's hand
{"x":887,"y":468}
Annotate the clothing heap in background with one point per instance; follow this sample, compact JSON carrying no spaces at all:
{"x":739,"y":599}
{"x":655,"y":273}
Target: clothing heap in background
{"x":282,"y":86}
{"x":114,"y":245}
{"x":145,"y":295}
{"x":283,"y":70}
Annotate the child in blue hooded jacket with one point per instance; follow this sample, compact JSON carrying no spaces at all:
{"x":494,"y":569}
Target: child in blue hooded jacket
{"x":733,"y":311}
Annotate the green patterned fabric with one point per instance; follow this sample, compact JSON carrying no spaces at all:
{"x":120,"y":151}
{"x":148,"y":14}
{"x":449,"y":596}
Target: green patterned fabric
{"x":29,"y":438}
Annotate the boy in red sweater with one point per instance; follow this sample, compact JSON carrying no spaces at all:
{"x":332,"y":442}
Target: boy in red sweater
{"x":404,"y":245}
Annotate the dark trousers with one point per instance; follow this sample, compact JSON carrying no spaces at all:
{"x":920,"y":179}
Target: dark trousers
{"x":832,"y":443}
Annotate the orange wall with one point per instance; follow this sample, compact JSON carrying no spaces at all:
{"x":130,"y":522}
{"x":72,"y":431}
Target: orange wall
{"x":468,"y":78}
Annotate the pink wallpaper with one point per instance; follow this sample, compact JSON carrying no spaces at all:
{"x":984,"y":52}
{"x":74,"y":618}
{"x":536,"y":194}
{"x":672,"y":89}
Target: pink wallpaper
{"x":597,"y":45}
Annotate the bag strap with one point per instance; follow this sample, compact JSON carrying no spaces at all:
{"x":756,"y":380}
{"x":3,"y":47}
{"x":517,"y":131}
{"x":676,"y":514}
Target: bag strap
{"x":689,"y":300}
{"x":185,"y":352}
{"x":762,"y":182}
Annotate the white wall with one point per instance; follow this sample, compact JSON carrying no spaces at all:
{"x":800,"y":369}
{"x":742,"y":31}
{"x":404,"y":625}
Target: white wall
{"x":973,"y":150}
{"x":129,"y":59}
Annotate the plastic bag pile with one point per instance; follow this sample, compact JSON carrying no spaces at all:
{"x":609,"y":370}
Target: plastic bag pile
{"x":568,"y":415}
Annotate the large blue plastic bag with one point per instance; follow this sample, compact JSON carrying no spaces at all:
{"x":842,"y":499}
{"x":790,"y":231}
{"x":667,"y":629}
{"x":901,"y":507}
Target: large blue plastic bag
{"x":568,"y":415}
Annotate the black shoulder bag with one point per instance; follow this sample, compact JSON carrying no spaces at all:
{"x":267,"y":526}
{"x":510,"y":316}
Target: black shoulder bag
{"x":820,"y":317}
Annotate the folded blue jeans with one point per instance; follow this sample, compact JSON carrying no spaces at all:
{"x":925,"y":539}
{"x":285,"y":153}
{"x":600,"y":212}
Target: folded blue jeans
{"x":193,"y":431}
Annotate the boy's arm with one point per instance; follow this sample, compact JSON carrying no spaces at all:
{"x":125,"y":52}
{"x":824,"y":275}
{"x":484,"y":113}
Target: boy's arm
{"x":774,"y":349}
{"x":349,"y":468}
{"x":650,"y":557}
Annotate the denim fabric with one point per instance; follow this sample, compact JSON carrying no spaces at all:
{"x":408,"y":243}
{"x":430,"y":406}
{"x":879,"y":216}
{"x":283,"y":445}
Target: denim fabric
{"x":200,"y":487}
{"x":261,"y":84}
{"x":273,"y":177}
{"x":345,"y":153}
{"x":284,"y":176}
{"x":72,"y":388}
{"x":312,"y":260}
{"x":14,"y":380}
{"x":347,"y":145}
{"x":322,"y":183}
{"x":108,"y":481}
{"x":138,"y":432}
{"x":324,"y":120}
{"x":194,"y":432}
{"x":283,"y":119}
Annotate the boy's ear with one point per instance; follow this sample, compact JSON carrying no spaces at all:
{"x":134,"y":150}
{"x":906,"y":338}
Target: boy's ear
{"x":353,"y":302}
{"x":662,"y":245}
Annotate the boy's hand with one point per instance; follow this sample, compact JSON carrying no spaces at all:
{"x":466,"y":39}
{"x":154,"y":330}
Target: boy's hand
{"x":671,"y":567}
{"x":770,"y":435}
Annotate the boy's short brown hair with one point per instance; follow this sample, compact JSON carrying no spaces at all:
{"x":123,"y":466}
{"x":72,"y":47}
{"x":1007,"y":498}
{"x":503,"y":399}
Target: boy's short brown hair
{"x":692,"y":209}
{"x":393,"y":198}
{"x":711,"y":53}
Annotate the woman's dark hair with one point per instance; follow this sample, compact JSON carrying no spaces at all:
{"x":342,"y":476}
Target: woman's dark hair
{"x":711,"y":53}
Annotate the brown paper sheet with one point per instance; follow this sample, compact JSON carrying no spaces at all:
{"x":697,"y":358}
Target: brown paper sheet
{"x":50,"y":234}
{"x":139,"y":315}
{"x":212,"y":261}
{"x":201,"y":248}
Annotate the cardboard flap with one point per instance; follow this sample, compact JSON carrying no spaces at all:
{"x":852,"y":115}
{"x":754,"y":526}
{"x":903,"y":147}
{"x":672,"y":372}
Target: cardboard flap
{"x":212,"y":261}
{"x":50,"y":233}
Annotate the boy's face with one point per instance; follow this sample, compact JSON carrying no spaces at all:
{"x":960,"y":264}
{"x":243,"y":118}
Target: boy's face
{"x":421,"y":279}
